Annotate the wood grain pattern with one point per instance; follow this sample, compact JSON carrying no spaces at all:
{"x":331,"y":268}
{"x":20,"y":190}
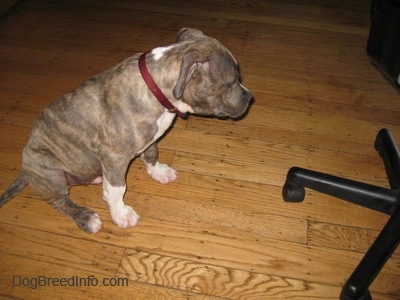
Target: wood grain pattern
{"x":222,"y":230}
{"x":336,"y":236}
{"x":215,"y":280}
{"x":24,"y":267}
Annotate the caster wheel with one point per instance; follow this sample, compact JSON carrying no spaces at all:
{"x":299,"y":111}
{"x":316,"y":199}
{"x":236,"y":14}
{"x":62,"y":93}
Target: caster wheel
{"x":293,"y":193}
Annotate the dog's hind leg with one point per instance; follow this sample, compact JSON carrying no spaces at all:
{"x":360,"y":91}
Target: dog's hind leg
{"x":158,"y":171}
{"x":84,"y":217}
{"x":53,"y":186}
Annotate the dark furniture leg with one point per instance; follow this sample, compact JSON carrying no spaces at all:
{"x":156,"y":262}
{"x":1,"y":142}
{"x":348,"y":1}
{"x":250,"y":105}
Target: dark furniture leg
{"x":383,"y":45}
{"x":381,"y":199}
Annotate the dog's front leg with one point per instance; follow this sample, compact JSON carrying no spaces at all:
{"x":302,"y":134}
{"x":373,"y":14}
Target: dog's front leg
{"x":114,"y":188}
{"x":158,"y":171}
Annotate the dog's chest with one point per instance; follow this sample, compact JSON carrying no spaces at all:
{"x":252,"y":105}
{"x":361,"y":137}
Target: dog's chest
{"x":163,"y":123}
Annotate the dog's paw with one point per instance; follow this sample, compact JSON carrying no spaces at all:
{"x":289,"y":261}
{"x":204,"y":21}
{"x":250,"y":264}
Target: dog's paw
{"x":88,"y":220}
{"x":94,"y":224}
{"x":125,"y":216}
{"x":162,"y":173}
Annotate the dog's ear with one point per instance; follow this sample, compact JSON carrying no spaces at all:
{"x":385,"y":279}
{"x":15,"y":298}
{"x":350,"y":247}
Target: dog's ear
{"x":192,"y":63}
{"x":188,"y":34}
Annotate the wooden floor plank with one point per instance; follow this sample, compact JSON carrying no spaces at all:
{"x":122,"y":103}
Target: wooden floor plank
{"x":14,"y":134}
{"x":186,"y":241}
{"x":48,"y":247}
{"x":336,"y":236}
{"x":31,"y":281}
{"x":215,"y":280}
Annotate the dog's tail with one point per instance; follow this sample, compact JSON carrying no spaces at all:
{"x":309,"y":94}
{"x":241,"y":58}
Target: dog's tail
{"x":15,"y":188}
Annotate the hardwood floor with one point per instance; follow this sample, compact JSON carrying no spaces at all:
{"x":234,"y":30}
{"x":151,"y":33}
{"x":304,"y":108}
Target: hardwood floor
{"x":222,"y":230}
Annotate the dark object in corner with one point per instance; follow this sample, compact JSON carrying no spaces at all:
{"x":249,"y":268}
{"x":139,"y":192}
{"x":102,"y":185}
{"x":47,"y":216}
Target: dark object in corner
{"x":384,"y":38}
{"x":386,"y":200}
{"x":5,"y":5}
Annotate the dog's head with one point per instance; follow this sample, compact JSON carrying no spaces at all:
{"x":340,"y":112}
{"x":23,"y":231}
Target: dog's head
{"x":209,"y":79}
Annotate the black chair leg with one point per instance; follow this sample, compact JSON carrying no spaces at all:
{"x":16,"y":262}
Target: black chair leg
{"x":374,"y":197}
{"x":363,"y":194}
{"x":373,"y":261}
{"x":387,"y":149}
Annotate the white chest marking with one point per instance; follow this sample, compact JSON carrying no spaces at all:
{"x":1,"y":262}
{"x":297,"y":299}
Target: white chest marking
{"x":163,"y":123}
{"x":160,"y":51}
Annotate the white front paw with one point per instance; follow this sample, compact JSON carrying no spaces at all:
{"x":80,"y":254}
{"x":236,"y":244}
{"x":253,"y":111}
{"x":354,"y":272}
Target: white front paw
{"x":125,"y":216}
{"x":162,"y":173}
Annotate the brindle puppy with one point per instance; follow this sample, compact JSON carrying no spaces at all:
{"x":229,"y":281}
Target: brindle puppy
{"x":91,"y":134}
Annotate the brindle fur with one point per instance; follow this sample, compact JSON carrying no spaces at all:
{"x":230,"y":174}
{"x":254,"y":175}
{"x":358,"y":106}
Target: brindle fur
{"x":99,"y":127}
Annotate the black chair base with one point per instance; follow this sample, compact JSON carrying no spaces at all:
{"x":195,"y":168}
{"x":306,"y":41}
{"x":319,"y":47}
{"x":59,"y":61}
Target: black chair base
{"x":385,"y":200}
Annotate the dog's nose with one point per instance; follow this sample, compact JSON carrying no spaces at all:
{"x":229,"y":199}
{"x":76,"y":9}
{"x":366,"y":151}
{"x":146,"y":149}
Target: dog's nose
{"x":247,"y":96}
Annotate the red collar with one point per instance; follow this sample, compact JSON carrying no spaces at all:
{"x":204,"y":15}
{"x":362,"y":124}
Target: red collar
{"x":155,"y":89}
